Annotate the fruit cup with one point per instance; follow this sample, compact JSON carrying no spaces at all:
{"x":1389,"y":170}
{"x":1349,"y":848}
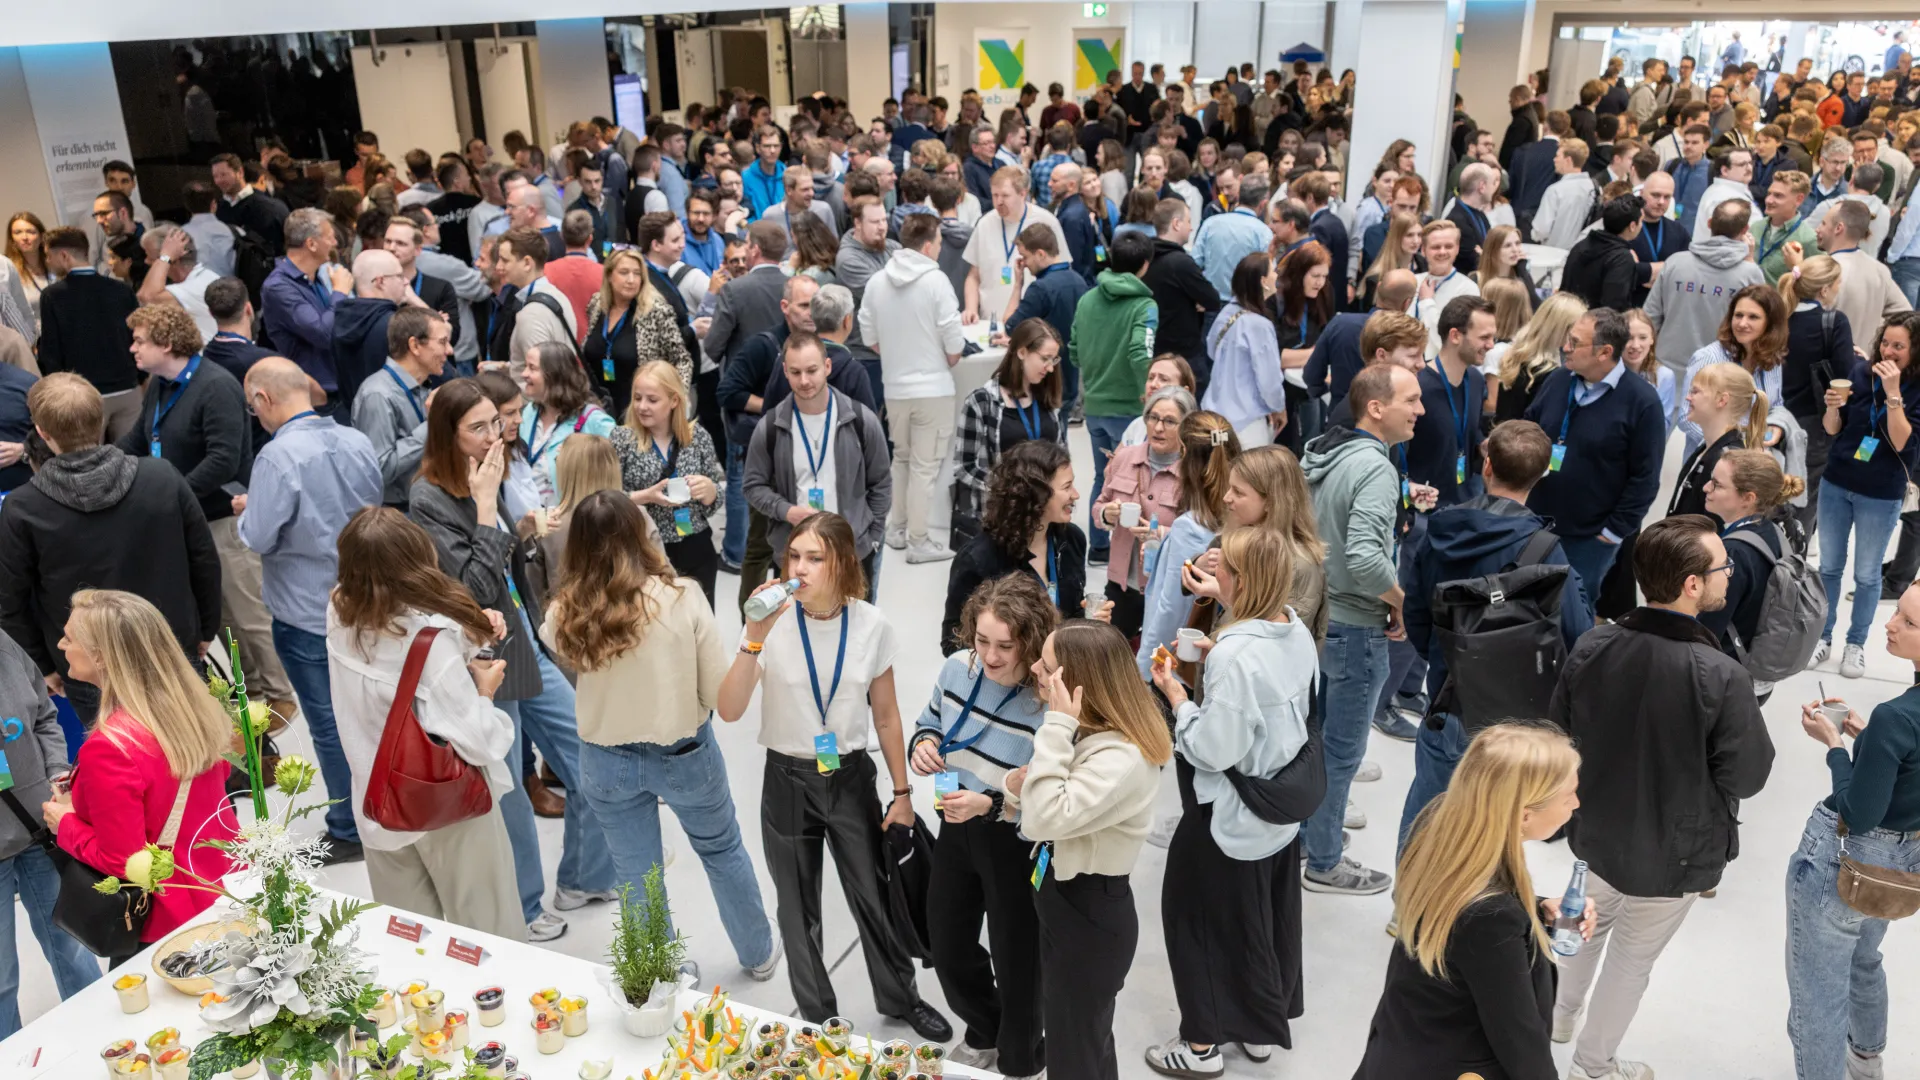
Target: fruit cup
{"x":132,"y":990}
{"x":573,"y":1016}
{"x":488,"y":1002}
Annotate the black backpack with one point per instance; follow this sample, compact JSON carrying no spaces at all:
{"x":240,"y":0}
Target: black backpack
{"x":253,"y":260}
{"x":1501,"y":633}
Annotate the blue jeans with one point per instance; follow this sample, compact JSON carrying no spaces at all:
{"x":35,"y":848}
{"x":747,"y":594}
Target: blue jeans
{"x":1105,"y":432}
{"x":1871,"y":521}
{"x":1435,"y":754}
{"x":1836,"y":990}
{"x":1353,"y":668}
{"x":586,"y":864}
{"x":733,"y":543}
{"x":31,"y":875}
{"x":304,"y":655}
{"x":1406,"y":684}
{"x":1592,"y":557}
{"x":1906,"y":275}
{"x":626,"y":784}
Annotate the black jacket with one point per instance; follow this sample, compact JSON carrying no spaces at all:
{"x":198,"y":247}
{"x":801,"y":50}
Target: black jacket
{"x":983,"y":560}
{"x":1490,"y":1016}
{"x":98,"y":519}
{"x":359,"y":342}
{"x":1671,"y":739}
{"x":1474,"y":227}
{"x":1185,"y":298}
{"x":1602,"y":270}
{"x":1524,"y":129}
{"x":438,"y":294}
{"x":83,"y":329}
{"x":203,"y":434}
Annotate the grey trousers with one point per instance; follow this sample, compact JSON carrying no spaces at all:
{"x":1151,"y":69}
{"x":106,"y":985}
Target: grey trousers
{"x":123,"y":411}
{"x":1631,"y":931}
{"x":462,"y":873}
{"x":246,"y":615}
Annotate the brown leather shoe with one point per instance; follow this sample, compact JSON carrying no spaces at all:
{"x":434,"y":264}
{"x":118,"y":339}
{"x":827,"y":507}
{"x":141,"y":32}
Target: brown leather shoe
{"x":547,"y":802}
{"x":283,"y":713}
{"x":548,"y":778}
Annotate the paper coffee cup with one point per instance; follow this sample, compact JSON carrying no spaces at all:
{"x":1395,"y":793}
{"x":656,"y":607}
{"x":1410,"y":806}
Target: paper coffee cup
{"x":1845,"y":386}
{"x":1187,"y":644}
{"x":1129,"y":515}
{"x":677,"y":490}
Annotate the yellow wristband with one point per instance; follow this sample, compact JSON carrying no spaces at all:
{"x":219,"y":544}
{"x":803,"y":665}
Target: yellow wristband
{"x":752,"y":648}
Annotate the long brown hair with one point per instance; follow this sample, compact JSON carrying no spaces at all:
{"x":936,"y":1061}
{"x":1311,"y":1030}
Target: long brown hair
{"x":834,"y":534}
{"x":1770,"y":349}
{"x":1021,"y":602}
{"x":1275,"y":474}
{"x":442,"y":463}
{"x":1011,"y":376}
{"x":601,"y":608}
{"x":1391,"y":257}
{"x":1094,"y":657}
{"x":1208,"y":449}
{"x":388,"y":566}
{"x":18,"y":257}
{"x":567,"y":389}
{"x":1290,"y":297}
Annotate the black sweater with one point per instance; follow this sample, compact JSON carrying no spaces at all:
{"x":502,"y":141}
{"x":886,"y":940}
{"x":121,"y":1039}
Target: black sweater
{"x":204,"y":434}
{"x":83,"y":329}
{"x":1611,"y":471}
{"x":1185,"y":298}
{"x":1490,"y":1015}
{"x":98,"y":519}
{"x":1810,"y":364}
{"x":983,"y":560}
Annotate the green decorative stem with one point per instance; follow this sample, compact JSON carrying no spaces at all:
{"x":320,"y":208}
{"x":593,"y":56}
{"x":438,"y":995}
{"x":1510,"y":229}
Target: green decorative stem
{"x":255,"y":782}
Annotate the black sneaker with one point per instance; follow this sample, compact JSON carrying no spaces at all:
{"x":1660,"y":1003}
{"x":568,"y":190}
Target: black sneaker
{"x":926,"y":1022}
{"x":1395,"y":726}
{"x":729,"y":568}
{"x":342,"y":851}
{"x":1096,"y":556}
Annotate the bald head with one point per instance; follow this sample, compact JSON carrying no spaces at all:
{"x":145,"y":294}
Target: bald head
{"x":376,"y":275}
{"x":278,"y":390}
{"x":1396,"y":290}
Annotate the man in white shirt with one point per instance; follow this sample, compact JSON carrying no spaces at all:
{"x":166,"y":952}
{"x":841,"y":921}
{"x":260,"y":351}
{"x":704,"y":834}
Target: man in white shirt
{"x":175,"y":277}
{"x":212,"y":238}
{"x":1861,"y":188}
{"x":1440,"y":243}
{"x":992,"y":252}
{"x":1733,"y":173}
{"x":1567,"y":202}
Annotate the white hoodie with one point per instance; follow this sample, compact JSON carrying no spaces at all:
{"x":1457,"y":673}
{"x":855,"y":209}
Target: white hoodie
{"x":1876,"y":234}
{"x":912,"y":319}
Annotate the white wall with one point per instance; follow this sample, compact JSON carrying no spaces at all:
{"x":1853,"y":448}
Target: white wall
{"x":1165,"y":33}
{"x":868,"y":58}
{"x":1404,"y":85}
{"x":504,"y":99}
{"x":408,"y":96}
{"x":23,"y":185}
{"x":1286,"y":23}
{"x":1226,"y":33}
{"x":1049,"y":39}
{"x":574,"y":83}
{"x":1493,"y":57}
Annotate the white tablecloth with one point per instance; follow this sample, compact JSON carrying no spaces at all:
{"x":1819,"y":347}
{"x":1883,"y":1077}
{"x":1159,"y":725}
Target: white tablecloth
{"x":65,"y":1044}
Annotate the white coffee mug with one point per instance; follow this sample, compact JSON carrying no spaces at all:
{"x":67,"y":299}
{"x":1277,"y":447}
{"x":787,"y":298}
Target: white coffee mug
{"x":1187,"y":643}
{"x":1129,"y":515}
{"x":677,"y":491}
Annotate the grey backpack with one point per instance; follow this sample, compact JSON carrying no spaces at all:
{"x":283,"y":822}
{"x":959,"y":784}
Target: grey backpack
{"x":1791,"y":617}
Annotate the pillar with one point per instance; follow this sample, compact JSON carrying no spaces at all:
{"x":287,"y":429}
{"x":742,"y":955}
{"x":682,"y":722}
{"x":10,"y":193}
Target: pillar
{"x":573,"y":79}
{"x":1343,"y":53}
{"x":869,"y":55}
{"x":1404,"y":75}
{"x":1494,"y":57}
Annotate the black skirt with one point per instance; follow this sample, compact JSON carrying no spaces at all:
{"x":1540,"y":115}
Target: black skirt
{"x":1233,"y":933}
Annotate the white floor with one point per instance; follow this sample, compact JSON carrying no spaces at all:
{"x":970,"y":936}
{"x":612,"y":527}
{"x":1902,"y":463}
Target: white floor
{"x":1716,"y":1008}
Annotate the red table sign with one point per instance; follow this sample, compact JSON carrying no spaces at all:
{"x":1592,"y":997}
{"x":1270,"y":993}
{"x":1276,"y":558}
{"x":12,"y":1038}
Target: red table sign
{"x":465,"y":950}
{"x":405,"y":928}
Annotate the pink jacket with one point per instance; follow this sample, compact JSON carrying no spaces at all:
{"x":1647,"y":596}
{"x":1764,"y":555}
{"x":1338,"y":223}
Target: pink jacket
{"x":109,"y":780}
{"x":1130,"y":479}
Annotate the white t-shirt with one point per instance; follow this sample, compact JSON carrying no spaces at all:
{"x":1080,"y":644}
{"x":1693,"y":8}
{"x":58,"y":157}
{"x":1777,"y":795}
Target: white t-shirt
{"x":192,"y":295}
{"x":991,"y":248}
{"x":789,"y":716}
{"x":807,"y":430}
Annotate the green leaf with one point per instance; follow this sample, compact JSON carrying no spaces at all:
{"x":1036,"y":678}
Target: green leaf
{"x":108,"y":886}
{"x":221,"y":1053}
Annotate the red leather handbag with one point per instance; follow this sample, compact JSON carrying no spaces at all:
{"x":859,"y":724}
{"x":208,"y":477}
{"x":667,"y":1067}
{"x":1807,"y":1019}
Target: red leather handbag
{"x":419,"y":785}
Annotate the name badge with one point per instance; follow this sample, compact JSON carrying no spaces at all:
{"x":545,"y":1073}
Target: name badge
{"x":606,"y":369}
{"x":155,"y":448}
{"x":1053,"y":593}
{"x":1099,"y":253}
{"x":513,"y":591}
{"x":1864,"y":452}
{"x":6,"y":774}
{"x":683,"y":520}
{"x":944,"y":784}
{"x":1406,"y":491}
{"x":826,"y":752}
{"x":1559,"y":456}
{"x":816,"y":498}
{"x":1006,"y":275}
{"x":1040,"y":865}
{"x":1460,"y":470}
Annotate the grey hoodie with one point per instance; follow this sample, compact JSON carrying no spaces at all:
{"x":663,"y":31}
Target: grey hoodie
{"x":855,"y":264}
{"x":1691,"y":296}
{"x":1355,"y":495}
{"x":41,"y":747}
{"x":87,"y":480}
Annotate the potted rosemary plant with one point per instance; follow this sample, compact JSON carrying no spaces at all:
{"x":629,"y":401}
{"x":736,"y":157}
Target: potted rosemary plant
{"x":644,"y":958}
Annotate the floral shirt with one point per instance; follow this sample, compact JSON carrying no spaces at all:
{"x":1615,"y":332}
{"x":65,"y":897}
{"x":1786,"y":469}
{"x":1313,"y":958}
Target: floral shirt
{"x":641,"y":467}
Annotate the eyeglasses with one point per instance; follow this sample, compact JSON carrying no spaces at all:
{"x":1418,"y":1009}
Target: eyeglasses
{"x":1724,"y":568}
{"x":1162,"y":421}
{"x":487,"y":427}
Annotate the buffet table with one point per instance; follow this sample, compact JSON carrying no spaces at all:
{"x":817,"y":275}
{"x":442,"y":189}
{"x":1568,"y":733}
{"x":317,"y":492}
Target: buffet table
{"x":66,"y":1042}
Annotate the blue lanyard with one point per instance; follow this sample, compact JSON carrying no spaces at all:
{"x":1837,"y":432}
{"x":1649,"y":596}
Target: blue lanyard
{"x":1657,"y":229}
{"x":300,"y":416}
{"x":1032,"y":429}
{"x":608,"y":333}
{"x":1460,"y":419}
{"x":1566,"y":418}
{"x":668,"y":459}
{"x":1844,"y":251}
{"x":533,"y":455}
{"x":806,"y":441}
{"x":1877,"y":412}
{"x":228,"y":335}
{"x":1016,"y":233}
{"x":813,"y":673}
{"x":419,"y":414}
{"x":179,"y":387}
{"x":1785,"y":235}
{"x":323,"y":291}
{"x":1479,"y":222}
{"x":947,"y":743}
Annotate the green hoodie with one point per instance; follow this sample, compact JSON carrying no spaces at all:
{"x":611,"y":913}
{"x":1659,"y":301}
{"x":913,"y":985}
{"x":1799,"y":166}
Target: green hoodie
{"x":1355,"y":491}
{"x":1112,"y":343}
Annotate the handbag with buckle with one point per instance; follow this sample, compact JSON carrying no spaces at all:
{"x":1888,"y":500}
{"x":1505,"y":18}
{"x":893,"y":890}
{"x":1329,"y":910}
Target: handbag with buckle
{"x":1876,"y":891}
{"x":419,"y":784}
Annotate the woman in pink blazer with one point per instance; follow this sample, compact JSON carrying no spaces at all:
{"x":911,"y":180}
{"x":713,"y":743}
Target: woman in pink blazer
{"x":160,"y":728}
{"x":1147,"y":473}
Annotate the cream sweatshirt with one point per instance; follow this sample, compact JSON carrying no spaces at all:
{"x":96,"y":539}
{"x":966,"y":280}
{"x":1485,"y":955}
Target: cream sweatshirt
{"x":1093,"y":798}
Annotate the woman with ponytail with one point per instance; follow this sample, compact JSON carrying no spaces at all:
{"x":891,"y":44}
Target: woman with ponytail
{"x":1747,"y":489}
{"x":1731,"y":414}
{"x":1753,"y":334}
{"x":1819,"y":350}
{"x":1209,"y":448}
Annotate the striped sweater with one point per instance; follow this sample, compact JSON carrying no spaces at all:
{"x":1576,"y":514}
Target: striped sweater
{"x":1004,"y":725}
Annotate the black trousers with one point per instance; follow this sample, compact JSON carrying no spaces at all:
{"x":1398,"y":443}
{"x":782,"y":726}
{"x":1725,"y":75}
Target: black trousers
{"x":1618,"y":592}
{"x":803,"y":812}
{"x":706,"y":409}
{"x":695,"y":556}
{"x":758,"y":558}
{"x":981,"y":871}
{"x":1088,"y":932}
{"x":1233,"y":934}
{"x":1819,"y":444}
{"x":1129,"y":610}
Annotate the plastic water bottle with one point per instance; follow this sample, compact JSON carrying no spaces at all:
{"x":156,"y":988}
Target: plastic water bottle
{"x":1573,"y":907}
{"x":767,"y":601}
{"x":1150,"y":551}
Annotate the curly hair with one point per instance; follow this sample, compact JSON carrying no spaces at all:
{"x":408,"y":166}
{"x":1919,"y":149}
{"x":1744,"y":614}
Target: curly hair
{"x":167,"y":326}
{"x":1018,"y":493}
{"x":601,"y":608}
{"x":1020,"y":601}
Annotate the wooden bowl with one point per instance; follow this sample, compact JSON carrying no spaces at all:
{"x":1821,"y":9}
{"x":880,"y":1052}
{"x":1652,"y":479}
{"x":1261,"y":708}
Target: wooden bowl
{"x":185,"y":940}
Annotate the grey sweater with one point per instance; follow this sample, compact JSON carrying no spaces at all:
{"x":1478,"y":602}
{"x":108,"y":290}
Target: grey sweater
{"x":1693,"y":292}
{"x":40,"y":749}
{"x":863,"y":477}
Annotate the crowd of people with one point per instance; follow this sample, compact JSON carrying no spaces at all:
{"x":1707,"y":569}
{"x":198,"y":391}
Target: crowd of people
{"x":1550,"y":468}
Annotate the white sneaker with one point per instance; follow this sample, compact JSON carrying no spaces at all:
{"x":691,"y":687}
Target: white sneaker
{"x":897,"y":538}
{"x":1823,"y":653}
{"x":575,"y":899}
{"x":1256,"y":1052}
{"x":1861,"y":1067}
{"x":1367,"y":773}
{"x":765,"y":971}
{"x":1622,"y":1070}
{"x":929,"y":552}
{"x":1162,"y":832}
{"x":1564,"y":1025}
{"x":1356,"y":817}
{"x":1853,"y":661}
{"x":1175,"y":1058}
{"x":546,"y":926}
{"x":973,"y":1058}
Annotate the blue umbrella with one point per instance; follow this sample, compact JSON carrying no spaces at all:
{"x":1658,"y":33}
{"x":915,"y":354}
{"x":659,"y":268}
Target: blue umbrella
{"x":1304,"y":51}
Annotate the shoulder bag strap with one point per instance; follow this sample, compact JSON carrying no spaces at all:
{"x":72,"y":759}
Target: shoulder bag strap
{"x":171,"y":832}
{"x":1752,"y":539}
{"x":1539,"y":546}
{"x":36,"y":830}
{"x":410,"y":674}
{"x":680,"y":275}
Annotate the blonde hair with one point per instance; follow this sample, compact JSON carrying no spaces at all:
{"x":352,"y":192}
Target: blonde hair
{"x":144,"y":672}
{"x":666,"y":378}
{"x":645,"y":299}
{"x":1275,"y":474}
{"x":1391,"y":257}
{"x":1512,"y":307}
{"x":1208,"y":449}
{"x":1262,"y":565}
{"x":1743,"y":394}
{"x":1466,"y":844}
{"x":1094,"y":657}
{"x":586,"y":464}
{"x":1807,"y":281}
{"x":1490,"y":251}
{"x":1756,"y":473}
{"x":1536,"y":350}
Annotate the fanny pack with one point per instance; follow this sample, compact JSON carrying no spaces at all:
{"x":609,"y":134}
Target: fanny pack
{"x":1876,"y":891}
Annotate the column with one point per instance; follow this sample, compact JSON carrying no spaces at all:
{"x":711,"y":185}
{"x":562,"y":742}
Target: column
{"x":573,"y":76}
{"x":1403,"y":85}
{"x":869,"y":57}
{"x":1343,"y":53}
{"x":1494,"y":57}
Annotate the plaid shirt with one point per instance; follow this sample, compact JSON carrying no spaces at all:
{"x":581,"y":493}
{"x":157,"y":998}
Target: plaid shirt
{"x":1042,"y":178}
{"x":976,"y":446}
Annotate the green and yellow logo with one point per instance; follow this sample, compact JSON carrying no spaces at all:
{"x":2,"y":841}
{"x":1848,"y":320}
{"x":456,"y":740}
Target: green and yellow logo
{"x":1002,"y":66}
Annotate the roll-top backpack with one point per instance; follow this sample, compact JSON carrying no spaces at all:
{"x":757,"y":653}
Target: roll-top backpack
{"x":1793,"y":616}
{"x":1502,"y":638}
{"x":419,"y":785}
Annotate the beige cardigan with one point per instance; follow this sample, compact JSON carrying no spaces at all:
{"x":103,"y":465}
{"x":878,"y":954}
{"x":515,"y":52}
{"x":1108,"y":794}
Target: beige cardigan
{"x":661,"y":690}
{"x":1092,"y":797}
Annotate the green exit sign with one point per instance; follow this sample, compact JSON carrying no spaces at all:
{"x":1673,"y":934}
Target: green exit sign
{"x":1093,"y":11}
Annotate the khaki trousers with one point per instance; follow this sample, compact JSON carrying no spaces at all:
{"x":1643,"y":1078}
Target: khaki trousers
{"x":1631,"y":932}
{"x":922,"y":430}
{"x":246,"y":615}
{"x":462,"y":873}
